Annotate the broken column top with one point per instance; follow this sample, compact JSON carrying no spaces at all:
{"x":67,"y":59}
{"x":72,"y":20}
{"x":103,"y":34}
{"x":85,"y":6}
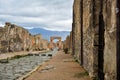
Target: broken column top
{"x":7,"y":24}
{"x":12,"y":26}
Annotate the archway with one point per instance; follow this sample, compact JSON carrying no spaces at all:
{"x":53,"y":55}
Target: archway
{"x":58,"y":44}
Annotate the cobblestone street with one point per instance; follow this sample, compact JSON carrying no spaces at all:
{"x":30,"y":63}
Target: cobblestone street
{"x":16,"y":68}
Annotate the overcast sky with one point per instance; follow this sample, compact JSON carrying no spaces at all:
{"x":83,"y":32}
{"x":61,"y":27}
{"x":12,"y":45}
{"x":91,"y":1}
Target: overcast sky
{"x":47,"y":14}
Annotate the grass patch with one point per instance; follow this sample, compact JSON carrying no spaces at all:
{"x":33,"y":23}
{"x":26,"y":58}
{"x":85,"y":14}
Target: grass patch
{"x":95,"y":78}
{"x":80,"y":75}
{"x":17,"y":57}
{"x":76,"y":60}
{"x":4,"y":61}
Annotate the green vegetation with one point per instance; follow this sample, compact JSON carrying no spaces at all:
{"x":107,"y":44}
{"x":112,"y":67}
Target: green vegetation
{"x":66,"y":50}
{"x":4,"y":61}
{"x":17,"y":57}
{"x":80,"y":75}
{"x":95,"y":78}
{"x":76,"y":61}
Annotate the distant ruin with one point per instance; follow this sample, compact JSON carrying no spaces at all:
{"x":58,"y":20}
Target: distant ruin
{"x":14,"y":38}
{"x":59,"y":43}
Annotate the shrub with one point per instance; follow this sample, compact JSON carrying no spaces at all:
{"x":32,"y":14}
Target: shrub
{"x":66,"y":50}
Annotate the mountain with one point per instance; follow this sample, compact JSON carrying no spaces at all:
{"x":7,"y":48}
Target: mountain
{"x":47,"y":33}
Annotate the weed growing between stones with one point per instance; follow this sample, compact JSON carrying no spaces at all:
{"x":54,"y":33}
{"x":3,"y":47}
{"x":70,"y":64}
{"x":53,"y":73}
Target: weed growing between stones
{"x":4,"y":61}
{"x":17,"y":57}
{"x":95,"y":78}
{"x":80,"y":75}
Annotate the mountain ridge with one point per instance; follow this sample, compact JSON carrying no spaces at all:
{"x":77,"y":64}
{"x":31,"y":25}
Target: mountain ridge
{"x":46,"y":34}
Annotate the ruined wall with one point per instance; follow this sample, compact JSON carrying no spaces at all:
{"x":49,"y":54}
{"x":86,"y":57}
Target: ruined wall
{"x":87,"y":36}
{"x":2,"y":37}
{"x":38,"y":42}
{"x":67,"y":42}
{"x":76,"y":28}
{"x":70,"y":48}
{"x":15,"y":38}
{"x":109,"y":15}
{"x":97,"y":20}
{"x":44,"y":44}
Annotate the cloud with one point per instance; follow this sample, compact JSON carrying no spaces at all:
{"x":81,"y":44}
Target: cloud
{"x":47,"y":14}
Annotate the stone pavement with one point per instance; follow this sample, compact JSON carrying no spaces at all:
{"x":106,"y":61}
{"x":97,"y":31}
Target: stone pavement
{"x":9,"y":55}
{"x":61,"y":67}
{"x":16,"y":68}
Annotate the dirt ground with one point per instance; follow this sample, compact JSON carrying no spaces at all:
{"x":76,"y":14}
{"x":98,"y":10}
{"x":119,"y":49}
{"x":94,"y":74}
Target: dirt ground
{"x":61,"y":67}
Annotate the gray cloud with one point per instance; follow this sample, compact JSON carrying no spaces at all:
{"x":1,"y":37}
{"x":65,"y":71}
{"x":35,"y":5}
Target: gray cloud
{"x":47,"y":14}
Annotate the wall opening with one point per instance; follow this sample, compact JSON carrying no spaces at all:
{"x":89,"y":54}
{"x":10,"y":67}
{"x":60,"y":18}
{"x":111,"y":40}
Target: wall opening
{"x":81,"y":30}
{"x":101,"y":48}
{"x":118,"y":40}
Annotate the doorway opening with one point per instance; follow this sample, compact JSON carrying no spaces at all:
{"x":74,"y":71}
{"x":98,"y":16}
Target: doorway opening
{"x":118,"y":40}
{"x":101,"y":48}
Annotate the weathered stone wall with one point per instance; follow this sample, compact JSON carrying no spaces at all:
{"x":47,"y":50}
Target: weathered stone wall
{"x":76,"y":27}
{"x":2,"y":37}
{"x":44,"y":44}
{"x":70,"y":44}
{"x":15,"y":38}
{"x":67,"y":43}
{"x":87,"y":36}
{"x":97,"y":20}
{"x":109,"y":15}
{"x":38,"y":42}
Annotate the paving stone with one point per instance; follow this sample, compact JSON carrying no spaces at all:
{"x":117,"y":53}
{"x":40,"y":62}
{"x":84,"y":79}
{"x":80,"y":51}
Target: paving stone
{"x":19,"y":67}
